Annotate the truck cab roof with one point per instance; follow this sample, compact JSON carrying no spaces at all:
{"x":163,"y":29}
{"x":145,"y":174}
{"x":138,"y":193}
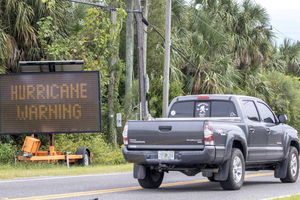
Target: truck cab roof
{"x":212,"y":96}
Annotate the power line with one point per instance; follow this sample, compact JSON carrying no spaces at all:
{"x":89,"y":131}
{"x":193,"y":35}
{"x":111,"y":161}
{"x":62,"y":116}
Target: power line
{"x":203,"y":21}
{"x":109,"y":8}
{"x":284,"y":34}
{"x":180,"y":52}
{"x":272,"y":26}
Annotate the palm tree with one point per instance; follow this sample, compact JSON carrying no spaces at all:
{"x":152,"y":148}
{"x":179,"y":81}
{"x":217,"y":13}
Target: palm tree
{"x":290,"y":53}
{"x":18,"y":28}
{"x":224,"y":40}
{"x":252,"y":35}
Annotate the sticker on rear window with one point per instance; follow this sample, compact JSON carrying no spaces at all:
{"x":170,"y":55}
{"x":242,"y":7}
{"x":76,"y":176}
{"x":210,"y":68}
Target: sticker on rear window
{"x":173,"y":113}
{"x":202,"y":109}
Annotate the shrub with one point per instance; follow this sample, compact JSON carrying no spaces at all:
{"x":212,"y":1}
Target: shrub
{"x":7,"y":153}
{"x":103,"y":153}
{"x":286,"y":96}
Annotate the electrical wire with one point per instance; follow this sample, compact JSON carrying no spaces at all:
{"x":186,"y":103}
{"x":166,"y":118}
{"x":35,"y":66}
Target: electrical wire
{"x":284,"y":34}
{"x":109,"y":8}
{"x":204,"y":22}
{"x":280,"y":32}
{"x":180,"y":52}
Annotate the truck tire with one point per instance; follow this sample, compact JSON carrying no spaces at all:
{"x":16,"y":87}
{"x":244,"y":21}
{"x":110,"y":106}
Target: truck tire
{"x":236,"y":172}
{"x":152,"y":180}
{"x":86,"y":160}
{"x":293,"y":167}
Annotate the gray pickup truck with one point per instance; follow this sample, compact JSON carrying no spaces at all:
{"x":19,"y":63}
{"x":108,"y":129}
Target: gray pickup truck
{"x":221,"y":136}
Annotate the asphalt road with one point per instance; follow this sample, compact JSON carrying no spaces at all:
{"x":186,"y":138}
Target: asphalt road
{"x":122,"y":186}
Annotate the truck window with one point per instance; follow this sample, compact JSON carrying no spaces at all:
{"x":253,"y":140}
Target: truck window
{"x":182,"y":109}
{"x":202,"y":109}
{"x":265,"y":113}
{"x":223,"y":109}
{"x":250,"y":110}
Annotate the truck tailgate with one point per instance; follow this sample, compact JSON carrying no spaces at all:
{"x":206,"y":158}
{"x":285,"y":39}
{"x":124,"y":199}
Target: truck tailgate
{"x":166,"y":134}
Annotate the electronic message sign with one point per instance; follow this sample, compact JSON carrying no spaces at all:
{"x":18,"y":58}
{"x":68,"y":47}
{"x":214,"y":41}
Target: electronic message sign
{"x":58,"y":102}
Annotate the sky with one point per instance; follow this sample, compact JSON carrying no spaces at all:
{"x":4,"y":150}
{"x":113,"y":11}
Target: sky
{"x":285,"y":18}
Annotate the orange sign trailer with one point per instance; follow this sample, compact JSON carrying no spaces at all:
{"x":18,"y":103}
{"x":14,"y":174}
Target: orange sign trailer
{"x":31,"y":153}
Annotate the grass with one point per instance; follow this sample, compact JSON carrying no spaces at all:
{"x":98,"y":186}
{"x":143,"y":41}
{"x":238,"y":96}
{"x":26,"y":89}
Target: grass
{"x":21,"y":170}
{"x":291,"y":197}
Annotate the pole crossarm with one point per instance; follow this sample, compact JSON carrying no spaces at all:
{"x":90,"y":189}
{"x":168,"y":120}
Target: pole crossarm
{"x":109,"y":8}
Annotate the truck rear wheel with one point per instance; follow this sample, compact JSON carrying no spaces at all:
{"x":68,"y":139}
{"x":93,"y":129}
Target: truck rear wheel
{"x":293,"y":167}
{"x":236,"y":171}
{"x":152,"y":180}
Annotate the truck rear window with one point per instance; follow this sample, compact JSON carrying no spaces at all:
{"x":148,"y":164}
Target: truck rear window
{"x":200,"y":109}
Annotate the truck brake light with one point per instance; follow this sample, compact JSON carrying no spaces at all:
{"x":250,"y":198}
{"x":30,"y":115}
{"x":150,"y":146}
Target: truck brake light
{"x":125,"y":134}
{"x":202,"y":97}
{"x":208,"y":135}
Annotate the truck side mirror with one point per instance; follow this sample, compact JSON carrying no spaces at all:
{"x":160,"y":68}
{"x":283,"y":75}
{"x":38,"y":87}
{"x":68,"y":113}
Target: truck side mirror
{"x":282,"y":118}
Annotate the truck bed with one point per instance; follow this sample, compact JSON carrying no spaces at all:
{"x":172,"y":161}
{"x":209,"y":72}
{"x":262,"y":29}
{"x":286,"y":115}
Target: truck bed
{"x":170,"y":133}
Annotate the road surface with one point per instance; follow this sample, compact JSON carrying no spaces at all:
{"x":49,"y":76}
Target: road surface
{"x":122,"y":186}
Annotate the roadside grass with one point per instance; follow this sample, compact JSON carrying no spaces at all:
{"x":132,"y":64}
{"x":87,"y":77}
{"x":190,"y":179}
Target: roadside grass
{"x":21,"y":170}
{"x":291,"y":197}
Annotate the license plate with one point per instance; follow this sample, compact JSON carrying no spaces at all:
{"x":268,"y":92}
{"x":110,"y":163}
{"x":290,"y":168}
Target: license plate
{"x":166,"y":155}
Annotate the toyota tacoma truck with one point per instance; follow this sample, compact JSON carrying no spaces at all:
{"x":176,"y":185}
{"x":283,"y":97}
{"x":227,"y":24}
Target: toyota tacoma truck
{"x":221,"y":136}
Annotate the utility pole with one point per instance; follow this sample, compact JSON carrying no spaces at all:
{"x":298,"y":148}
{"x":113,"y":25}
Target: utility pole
{"x":129,"y":57}
{"x":167,"y":58}
{"x":111,"y":85}
{"x":140,"y":37}
{"x":144,"y":4}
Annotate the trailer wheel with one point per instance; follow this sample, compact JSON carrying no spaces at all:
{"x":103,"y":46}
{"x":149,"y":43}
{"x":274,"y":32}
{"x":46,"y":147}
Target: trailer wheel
{"x":86,"y":158}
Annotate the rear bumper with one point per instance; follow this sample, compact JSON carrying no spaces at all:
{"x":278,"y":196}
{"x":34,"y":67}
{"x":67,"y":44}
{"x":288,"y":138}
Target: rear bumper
{"x":209,"y":155}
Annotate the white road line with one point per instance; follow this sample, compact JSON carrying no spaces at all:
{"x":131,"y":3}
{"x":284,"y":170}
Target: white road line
{"x":60,"y":177}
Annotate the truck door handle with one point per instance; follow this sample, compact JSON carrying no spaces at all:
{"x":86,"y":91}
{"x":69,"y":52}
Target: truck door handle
{"x":165,"y":128}
{"x":251,"y":130}
{"x":268,"y":130}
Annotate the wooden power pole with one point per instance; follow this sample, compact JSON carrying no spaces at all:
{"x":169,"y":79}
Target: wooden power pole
{"x":111,"y":87}
{"x":129,"y":57}
{"x":141,"y":63}
{"x":167,"y":59}
{"x":144,"y":4}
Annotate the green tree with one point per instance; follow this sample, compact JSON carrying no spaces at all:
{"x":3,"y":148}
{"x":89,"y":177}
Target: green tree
{"x":18,"y":28}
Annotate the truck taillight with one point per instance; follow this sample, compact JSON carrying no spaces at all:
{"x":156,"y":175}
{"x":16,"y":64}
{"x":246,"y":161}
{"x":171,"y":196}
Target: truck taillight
{"x":125,"y":134}
{"x":202,"y":97}
{"x":208,"y":135}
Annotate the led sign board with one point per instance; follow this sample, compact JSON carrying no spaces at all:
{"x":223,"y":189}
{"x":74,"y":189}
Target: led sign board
{"x":60,"y":102}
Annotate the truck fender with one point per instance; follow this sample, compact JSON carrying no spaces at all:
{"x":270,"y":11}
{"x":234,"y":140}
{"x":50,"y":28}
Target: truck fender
{"x":287,"y":146}
{"x":229,"y":144}
{"x":222,"y":175}
{"x":139,"y":171}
